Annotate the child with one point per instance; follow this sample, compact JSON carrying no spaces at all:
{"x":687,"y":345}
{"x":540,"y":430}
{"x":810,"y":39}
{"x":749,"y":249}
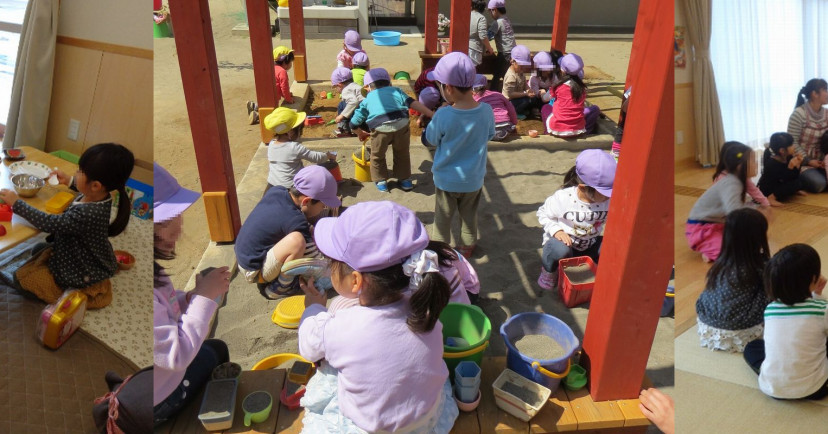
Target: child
{"x":780,"y":171}
{"x":706,"y":220}
{"x":730,"y":308}
{"x":184,"y":357}
{"x":543,"y":78}
{"x":573,"y":218}
{"x":282,"y":62}
{"x":505,"y":116}
{"x":460,"y":133}
{"x":351,"y":45}
{"x":383,"y":367}
{"x":277,"y":231}
{"x":618,"y":135}
{"x":752,"y":190}
{"x":385,"y":112}
{"x":429,"y":97}
{"x":78,"y":254}
{"x":501,"y":31}
{"x":423,"y":82}
{"x":569,"y":117}
{"x":791,"y":360}
{"x":515,"y":88}
{"x":284,"y":152}
{"x":478,"y":34}
{"x":351,"y":92}
{"x":361,"y":65}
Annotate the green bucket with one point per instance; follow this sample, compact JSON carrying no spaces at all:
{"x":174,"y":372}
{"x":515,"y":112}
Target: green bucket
{"x":472,"y":325}
{"x":162,"y":30}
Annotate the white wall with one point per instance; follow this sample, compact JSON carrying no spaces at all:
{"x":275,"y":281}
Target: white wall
{"x":119,"y":22}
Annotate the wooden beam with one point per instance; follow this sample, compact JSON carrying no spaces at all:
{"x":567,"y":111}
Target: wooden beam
{"x":202,"y":93}
{"x":432,"y":8}
{"x":297,"y":40}
{"x":637,"y":254}
{"x":261,"y":47}
{"x":459,"y":30}
{"x":634,"y":64}
{"x":560,"y":25}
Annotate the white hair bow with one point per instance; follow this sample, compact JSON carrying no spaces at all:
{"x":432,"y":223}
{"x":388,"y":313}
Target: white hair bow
{"x":419,"y":263}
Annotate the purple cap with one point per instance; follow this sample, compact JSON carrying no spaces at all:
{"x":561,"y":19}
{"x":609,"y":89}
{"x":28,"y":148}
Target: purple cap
{"x":430,"y":97}
{"x":360,"y":59}
{"x":543,"y":61}
{"x":521,"y":55}
{"x":353,"y":41}
{"x":394,"y":233}
{"x":596,"y":169}
{"x":572,"y":64}
{"x":456,"y":69}
{"x":374,"y":75}
{"x":317,"y":183}
{"x":494,"y":4}
{"x":171,"y":199}
{"x":341,"y":74}
{"x":480,"y":80}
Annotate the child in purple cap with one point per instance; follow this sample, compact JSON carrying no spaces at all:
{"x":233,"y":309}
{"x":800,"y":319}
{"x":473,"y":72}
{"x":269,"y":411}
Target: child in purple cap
{"x":351,"y":94}
{"x":361,"y":65}
{"x":385,"y":112}
{"x":505,"y":116}
{"x":184,"y":357}
{"x":429,"y":97}
{"x":460,"y":132}
{"x":501,"y":31}
{"x":351,"y":44}
{"x":277,"y":231}
{"x":573,"y":218}
{"x":383,"y":368}
{"x":515,"y":87}
{"x":569,"y":116}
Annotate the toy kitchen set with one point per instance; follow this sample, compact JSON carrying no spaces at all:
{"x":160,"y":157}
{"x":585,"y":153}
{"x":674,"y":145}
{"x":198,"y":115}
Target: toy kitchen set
{"x":328,"y":19}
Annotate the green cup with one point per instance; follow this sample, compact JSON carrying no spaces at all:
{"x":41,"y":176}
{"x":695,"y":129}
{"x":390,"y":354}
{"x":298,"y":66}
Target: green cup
{"x":576,"y":379}
{"x":330,"y":95}
{"x":256,"y":407}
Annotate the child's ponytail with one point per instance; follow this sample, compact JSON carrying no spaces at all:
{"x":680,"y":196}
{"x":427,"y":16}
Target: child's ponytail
{"x":428,"y":301}
{"x":110,"y":164}
{"x":124,"y":209}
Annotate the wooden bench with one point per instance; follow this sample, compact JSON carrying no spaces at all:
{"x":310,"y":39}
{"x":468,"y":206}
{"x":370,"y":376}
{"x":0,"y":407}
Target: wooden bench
{"x":565,"y":411}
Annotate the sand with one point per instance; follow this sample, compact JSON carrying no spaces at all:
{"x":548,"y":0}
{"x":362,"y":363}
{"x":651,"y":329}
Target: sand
{"x":579,"y":274}
{"x":539,"y":347}
{"x":522,"y":393}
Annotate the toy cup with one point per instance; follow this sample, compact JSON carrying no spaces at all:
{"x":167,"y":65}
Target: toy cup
{"x":256,"y":407}
{"x":330,"y":95}
{"x":533,"y":133}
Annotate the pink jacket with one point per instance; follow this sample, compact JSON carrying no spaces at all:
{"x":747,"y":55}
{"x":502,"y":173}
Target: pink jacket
{"x":752,"y":190}
{"x":504,"y":111}
{"x":282,"y":85}
{"x":567,"y":115}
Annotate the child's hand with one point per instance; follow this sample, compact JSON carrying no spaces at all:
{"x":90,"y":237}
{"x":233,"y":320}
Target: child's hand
{"x":331,"y":155}
{"x":815,"y":163}
{"x":8,"y":196}
{"x":530,"y":93}
{"x":339,"y":118}
{"x":362,"y":135}
{"x":312,"y":295}
{"x":213,"y":284}
{"x":564,"y":238}
{"x":659,"y":408}
{"x":62,"y":177}
{"x":420,"y":121}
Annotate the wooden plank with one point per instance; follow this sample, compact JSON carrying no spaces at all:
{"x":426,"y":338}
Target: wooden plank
{"x":300,"y":68}
{"x":297,"y":39}
{"x":186,"y":421}
{"x":491,"y":417}
{"x":632,"y":414}
{"x":218,"y":216}
{"x":467,"y":422}
{"x":105,"y":47}
{"x":271,"y":381}
{"x":261,"y":50}
{"x":556,"y":416}
{"x":594,"y":415}
{"x":290,"y":421}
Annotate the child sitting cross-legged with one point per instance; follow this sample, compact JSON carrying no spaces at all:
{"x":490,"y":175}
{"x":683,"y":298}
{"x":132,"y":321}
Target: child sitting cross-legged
{"x":569,"y":116}
{"x":351,"y":93}
{"x":780,"y":170}
{"x":77,"y":254}
{"x":515,"y":87}
{"x":383,"y":368}
{"x":505,"y":116}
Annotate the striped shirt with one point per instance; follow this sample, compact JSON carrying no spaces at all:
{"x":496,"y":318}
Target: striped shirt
{"x":795,"y":363}
{"x":806,"y":127}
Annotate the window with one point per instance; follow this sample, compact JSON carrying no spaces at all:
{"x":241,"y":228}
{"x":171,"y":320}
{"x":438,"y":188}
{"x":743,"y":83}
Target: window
{"x":11,"y":24}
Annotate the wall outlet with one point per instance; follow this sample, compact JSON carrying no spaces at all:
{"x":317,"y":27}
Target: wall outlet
{"x":679,"y":137}
{"x":74,"y":126}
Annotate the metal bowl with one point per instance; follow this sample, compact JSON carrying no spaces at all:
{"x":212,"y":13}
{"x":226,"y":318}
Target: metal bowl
{"x":27,"y":185}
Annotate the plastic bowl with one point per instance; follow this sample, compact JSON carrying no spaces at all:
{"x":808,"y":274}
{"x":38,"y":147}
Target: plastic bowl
{"x":533,"y":133}
{"x":468,"y":406}
{"x":386,"y":38}
{"x":276,"y":360}
{"x":27,"y":185}
{"x":125,"y":259}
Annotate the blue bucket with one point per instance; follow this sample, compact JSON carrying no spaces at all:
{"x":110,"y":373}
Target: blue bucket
{"x":544,"y":372}
{"x":386,"y":38}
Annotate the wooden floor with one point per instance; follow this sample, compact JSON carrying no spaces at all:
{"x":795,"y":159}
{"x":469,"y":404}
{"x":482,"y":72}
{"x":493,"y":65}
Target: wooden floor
{"x":803,"y":220}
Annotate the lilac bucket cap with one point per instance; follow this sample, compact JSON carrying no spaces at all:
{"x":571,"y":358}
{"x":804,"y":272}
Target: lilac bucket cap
{"x":456,"y":69}
{"x":480,"y":80}
{"x":494,"y":4}
{"x":341,"y":74}
{"x":596,"y":169}
{"x":572,"y":64}
{"x":543,"y":61}
{"x":430,"y":97}
{"x":375,"y":75}
{"x":317,"y":183}
{"x":393,"y":234}
{"x":171,"y":199}
{"x":360,"y":59}
{"x":353,"y":41}
{"x":521,"y":55}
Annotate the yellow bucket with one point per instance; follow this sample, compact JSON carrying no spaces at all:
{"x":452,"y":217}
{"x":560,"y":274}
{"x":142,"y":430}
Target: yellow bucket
{"x":362,"y":168}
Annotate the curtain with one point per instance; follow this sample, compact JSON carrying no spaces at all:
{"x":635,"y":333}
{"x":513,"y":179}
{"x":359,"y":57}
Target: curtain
{"x":32,"y":88}
{"x":709,"y":129}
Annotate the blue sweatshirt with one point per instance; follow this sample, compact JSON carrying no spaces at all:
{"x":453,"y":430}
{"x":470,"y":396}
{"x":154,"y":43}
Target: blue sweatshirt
{"x":461,"y":138}
{"x":380,"y":106}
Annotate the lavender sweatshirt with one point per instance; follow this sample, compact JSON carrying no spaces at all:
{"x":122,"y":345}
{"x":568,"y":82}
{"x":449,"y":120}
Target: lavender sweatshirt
{"x":179,"y":330}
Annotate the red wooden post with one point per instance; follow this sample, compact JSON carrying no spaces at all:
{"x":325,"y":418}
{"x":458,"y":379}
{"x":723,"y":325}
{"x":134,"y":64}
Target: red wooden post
{"x":637,"y":253}
{"x":261,"y":46}
{"x":297,"y":40}
{"x":560,"y":26}
{"x":431,"y":10}
{"x":459,"y":30}
{"x":205,"y":108}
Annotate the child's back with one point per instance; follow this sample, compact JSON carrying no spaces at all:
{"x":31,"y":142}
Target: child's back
{"x":503,"y":110}
{"x":461,"y":137}
{"x":720,"y":199}
{"x":286,"y":161}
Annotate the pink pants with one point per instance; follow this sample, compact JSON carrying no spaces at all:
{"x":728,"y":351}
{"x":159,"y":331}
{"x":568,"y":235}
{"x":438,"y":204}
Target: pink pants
{"x":705,"y":238}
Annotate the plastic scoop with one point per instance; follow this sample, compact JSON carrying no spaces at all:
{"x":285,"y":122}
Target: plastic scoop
{"x":53,"y":180}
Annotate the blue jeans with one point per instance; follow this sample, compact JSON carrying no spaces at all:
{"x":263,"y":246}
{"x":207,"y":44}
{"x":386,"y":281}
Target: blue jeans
{"x":554,"y":250}
{"x":213,"y":352}
{"x":813,"y":180}
{"x":754,"y":356}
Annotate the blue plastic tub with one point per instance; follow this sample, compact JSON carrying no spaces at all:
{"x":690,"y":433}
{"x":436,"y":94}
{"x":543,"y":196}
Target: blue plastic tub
{"x":386,"y":38}
{"x":547,"y":373}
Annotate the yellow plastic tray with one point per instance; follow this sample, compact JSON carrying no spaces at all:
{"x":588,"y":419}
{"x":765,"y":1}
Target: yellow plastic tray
{"x":289,"y":311}
{"x":59,"y":202}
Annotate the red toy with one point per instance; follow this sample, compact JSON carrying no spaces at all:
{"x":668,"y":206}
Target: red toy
{"x":5,"y":212}
{"x":2,"y":231}
{"x":313,"y":120}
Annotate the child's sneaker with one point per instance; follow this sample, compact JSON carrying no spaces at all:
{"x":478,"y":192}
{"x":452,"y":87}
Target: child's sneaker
{"x":406,"y":185}
{"x":382,"y":186}
{"x":275,"y":290}
{"x":251,"y":106}
{"x":548,"y":280}
{"x":253,"y":118}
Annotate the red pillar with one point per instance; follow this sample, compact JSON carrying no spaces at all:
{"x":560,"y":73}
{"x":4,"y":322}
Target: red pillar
{"x":297,"y":40}
{"x":459,"y":30}
{"x":431,"y":10}
{"x":261,"y":46}
{"x":637,"y":253}
{"x":560,"y":26}
{"x":202,"y":92}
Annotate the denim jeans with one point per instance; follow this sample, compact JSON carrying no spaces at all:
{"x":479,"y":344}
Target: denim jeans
{"x":554,"y":250}
{"x":813,"y":180}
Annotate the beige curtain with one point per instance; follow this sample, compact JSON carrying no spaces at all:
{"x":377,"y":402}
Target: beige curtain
{"x":32,"y":88}
{"x":709,"y":129}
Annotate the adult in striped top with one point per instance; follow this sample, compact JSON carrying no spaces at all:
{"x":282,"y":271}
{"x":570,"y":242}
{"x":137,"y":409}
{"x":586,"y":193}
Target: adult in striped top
{"x":792,"y":360}
{"x":808,"y":122}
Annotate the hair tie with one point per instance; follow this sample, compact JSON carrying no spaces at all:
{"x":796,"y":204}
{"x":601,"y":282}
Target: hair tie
{"x":419,"y":263}
{"x":739,"y":155}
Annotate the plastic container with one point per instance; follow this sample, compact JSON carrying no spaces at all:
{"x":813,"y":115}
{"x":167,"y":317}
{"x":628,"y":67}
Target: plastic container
{"x":333,"y":167}
{"x":402,"y":75}
{"x":468,"y":406}
{"x":277,"y":360}
{"x":59,"y":202}
{"x":125,"y":259}
{"x":469,"y":323}
{"x":515,"y":405}
{"x":256,"y":407}
{"x":301,"y":372}
{"x":467,"y":393}
{"x":362,"y":168}
{"x":669,"y":304}
{"x":545,"y":372}
{"x":574,"y":294}
{"x":60,"y":320}
{"x":387,"y":37}
{"x":289,"y":311}
{"x":576,"y":379}
{"x":218,"y":405}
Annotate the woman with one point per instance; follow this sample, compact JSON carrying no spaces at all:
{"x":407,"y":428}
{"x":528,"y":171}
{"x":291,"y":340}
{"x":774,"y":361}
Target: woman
{"x":807,"y":124}
{"x":478,"y":39}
